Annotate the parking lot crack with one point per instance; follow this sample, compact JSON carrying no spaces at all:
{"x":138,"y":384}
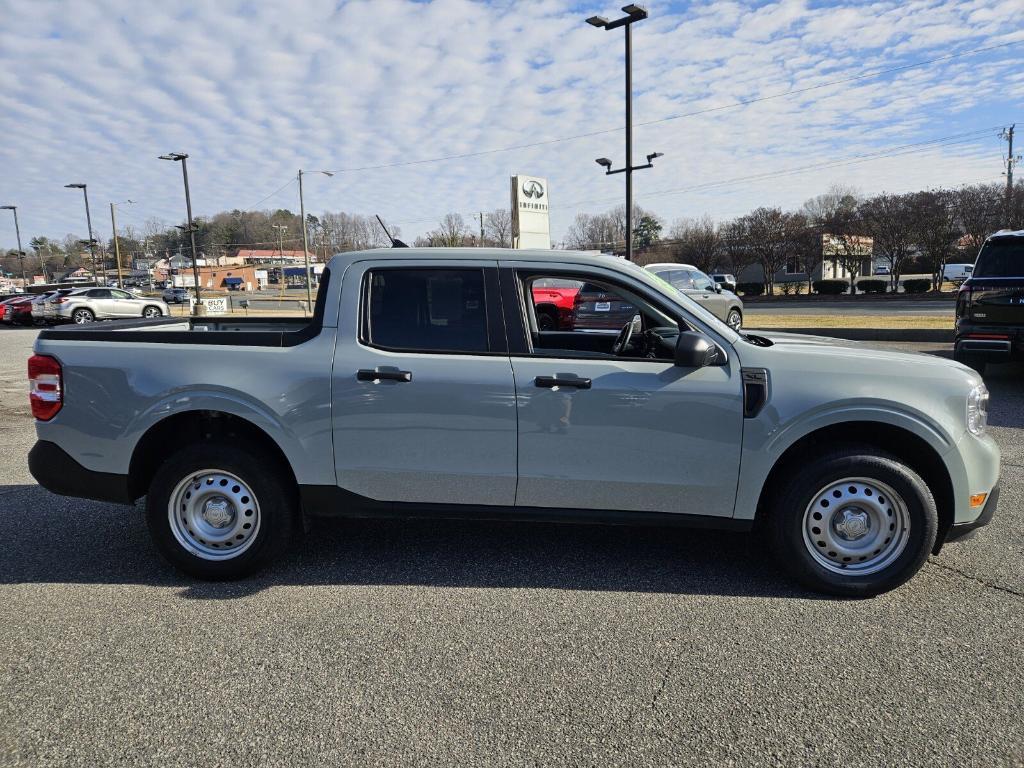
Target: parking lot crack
{"x":975,"y":579}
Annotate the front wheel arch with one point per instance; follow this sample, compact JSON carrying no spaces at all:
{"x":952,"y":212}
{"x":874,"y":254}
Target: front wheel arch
{"x":903,"y":444}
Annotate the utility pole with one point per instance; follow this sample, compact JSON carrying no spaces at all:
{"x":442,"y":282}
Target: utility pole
{"x":21,"y":254}
{"x":481,"y":229}
{"x":117,"y":246}
{"x":1010,"y":162}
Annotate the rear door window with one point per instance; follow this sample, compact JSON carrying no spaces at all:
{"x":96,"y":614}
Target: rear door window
{"x":425,"y":310}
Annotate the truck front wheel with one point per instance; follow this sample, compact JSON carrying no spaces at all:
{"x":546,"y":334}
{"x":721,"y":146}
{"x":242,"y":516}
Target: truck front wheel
{"x":854,"y":523}
{"x":217,"y":511}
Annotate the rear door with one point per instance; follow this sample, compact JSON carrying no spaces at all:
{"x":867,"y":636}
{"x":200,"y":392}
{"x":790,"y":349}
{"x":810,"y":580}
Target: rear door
{"x":997,"y":282}
{"x":101,"y":302}
{"x":629,"y":432}
{"x":423,"y":397}
{"x":123,"y":304}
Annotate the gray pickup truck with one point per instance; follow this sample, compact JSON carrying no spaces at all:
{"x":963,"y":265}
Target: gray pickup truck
{"x":423,"y":385}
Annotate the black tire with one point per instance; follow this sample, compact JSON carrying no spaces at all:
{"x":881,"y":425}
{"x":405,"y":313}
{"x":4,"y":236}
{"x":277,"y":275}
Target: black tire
{"x":546,"y":320}
{"x":153,"y":311}
{"x":734,"y":319}
{"x":272,"y":491}
{"x":793,"y":497}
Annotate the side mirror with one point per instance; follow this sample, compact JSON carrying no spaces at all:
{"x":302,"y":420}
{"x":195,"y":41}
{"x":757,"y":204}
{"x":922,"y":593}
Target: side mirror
{"x":695,"y":350}
{"x":718,"y":287}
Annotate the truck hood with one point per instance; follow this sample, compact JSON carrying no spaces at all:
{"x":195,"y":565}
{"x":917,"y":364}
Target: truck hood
{"x":842,"y":356}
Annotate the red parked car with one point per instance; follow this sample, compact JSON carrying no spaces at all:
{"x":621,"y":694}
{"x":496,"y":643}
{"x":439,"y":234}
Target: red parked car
{"x":18,"y":310}
{"x":553,"y":300}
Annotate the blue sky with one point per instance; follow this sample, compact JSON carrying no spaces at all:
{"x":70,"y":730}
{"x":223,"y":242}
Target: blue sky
{"x":94,"y":91}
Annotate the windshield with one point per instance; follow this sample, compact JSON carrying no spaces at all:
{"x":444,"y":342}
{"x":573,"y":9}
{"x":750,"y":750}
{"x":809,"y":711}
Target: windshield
{"x":678,"y":297}
{"x":1002,"y":257}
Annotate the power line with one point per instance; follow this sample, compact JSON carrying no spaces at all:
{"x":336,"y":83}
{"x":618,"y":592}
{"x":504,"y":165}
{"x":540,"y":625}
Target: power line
{"x":732,"y":105}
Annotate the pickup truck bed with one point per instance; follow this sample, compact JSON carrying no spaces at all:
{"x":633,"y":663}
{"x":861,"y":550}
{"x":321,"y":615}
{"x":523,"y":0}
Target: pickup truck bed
{"x":252,"y":332}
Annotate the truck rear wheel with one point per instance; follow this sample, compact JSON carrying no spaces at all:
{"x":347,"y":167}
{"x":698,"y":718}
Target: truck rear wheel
{"x":217,"y":511}
{"x":854,"y":523}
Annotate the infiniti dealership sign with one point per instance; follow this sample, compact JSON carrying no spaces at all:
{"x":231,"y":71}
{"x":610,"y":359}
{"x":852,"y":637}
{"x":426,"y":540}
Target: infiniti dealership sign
{"x":530,"y":224}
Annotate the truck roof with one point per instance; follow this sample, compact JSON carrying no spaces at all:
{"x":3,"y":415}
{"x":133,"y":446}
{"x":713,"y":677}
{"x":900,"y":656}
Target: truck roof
{"x":472,"y":254}
{"x":1006,"y":233}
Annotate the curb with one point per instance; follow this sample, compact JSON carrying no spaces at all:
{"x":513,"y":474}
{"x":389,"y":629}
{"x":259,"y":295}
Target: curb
{"x":936,"y":335}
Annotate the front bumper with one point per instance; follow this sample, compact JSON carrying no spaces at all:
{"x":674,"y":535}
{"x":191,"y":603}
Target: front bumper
{"x":964,"y":530}
{"x":55,"y":470}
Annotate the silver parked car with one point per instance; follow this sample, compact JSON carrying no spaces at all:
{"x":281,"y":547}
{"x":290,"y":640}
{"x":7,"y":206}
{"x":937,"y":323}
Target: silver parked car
{"x":88,"y":304}
{"x":177,"y":295}
{"x":724,"y":304}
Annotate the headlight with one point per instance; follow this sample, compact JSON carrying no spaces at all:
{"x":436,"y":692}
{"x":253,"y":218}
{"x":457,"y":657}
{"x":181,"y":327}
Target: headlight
{"x":977,"y":410}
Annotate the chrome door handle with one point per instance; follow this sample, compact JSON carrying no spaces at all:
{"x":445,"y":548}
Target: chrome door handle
{"x":549,"y":382}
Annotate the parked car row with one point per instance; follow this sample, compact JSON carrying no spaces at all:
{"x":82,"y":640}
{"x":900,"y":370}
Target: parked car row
{"x":79,"y":305}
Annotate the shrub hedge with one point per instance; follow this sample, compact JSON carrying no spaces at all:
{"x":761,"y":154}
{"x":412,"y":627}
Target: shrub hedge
{"x":830,"y":287}
{"x":872,"y":286}
{"x":917,"y":285}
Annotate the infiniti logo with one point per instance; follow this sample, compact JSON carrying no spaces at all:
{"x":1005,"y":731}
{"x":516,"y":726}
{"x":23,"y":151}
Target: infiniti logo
{"x":533,"y":188}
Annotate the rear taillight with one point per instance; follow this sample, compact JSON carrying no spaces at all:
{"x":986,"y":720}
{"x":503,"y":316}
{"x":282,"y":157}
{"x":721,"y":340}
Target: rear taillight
{"x":44,"y":383}
{"x":963,"y":301}
{"x":60,"y":300}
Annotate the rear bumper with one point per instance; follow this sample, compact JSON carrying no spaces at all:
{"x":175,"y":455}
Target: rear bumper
{"x":988,"y":342}
{"x":59,"y":473}
{"x":963,"y":530}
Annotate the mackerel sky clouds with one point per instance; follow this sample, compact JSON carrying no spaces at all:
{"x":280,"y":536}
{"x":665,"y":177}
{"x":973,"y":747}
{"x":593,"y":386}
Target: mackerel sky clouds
{"x":94,"y":91}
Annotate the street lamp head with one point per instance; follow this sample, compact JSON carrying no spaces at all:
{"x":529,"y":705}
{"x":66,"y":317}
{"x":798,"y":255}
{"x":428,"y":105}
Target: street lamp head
{"x":327,"y":173}
{"x":74,"y":186}
{"x":636,"y":12}
{"x":604,"y":162}
{"x":173,"y":156}
{"x":8,"y":207}
{"x":653,"y":155}
{"x":598,"y":21}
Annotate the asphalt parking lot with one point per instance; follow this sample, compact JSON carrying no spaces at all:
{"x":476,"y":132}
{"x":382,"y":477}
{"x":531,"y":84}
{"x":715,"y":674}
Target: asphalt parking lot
{"x":453,"y":643}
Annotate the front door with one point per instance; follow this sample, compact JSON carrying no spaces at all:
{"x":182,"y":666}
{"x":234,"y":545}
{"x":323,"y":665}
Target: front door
{"x":423,"y":397}
{"x":608,"y":429}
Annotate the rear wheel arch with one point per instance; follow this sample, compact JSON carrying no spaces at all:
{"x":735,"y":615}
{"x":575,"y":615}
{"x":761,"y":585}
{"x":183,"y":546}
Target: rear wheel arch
{"x":193,"y":427}
{"x":909,"y":448}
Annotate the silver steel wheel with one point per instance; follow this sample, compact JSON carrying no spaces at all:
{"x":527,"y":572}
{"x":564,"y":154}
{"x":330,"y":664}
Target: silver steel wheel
{"x":151,"y":312}
{"x":214,"y":515}
{"x":735,"y":319}
{"x":82,"y":316}
{"x":856,"y":526}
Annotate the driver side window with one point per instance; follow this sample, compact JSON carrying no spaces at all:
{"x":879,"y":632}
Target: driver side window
{"x":577,"y":318}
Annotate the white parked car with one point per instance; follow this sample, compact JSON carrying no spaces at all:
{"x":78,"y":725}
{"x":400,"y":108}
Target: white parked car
{"x":957,"y":273}
{"x":725,"y":280}
{"x":88,"y":304}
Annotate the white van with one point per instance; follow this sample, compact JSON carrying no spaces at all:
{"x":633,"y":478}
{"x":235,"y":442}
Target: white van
{"x":957,"y":273}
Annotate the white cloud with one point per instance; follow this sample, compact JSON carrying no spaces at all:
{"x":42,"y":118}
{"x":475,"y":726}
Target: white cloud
{"x":253,"y":91}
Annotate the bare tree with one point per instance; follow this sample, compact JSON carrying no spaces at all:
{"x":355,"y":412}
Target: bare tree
{"x":805,"y":244}
{"x":977,"y":210}
{"x":889,"y":220}
{"x":498,"y":227}
{"x":697,"y":242}
{"x":768,"y":238}
{"x":735,"y":242}
{"x":935,"y":229}
{"x":450,"y":233}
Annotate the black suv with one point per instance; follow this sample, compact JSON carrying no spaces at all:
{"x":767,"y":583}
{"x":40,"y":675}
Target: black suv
{"x":990,"y":305}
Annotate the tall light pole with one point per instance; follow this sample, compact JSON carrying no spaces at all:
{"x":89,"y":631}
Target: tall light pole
{"x":88,"y":220}
{"x":305,"y":239}
{"x":634,"y":13}
{"x":117,"y":244}
{"x":197,"y":308}
{"x":21,"y":254}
